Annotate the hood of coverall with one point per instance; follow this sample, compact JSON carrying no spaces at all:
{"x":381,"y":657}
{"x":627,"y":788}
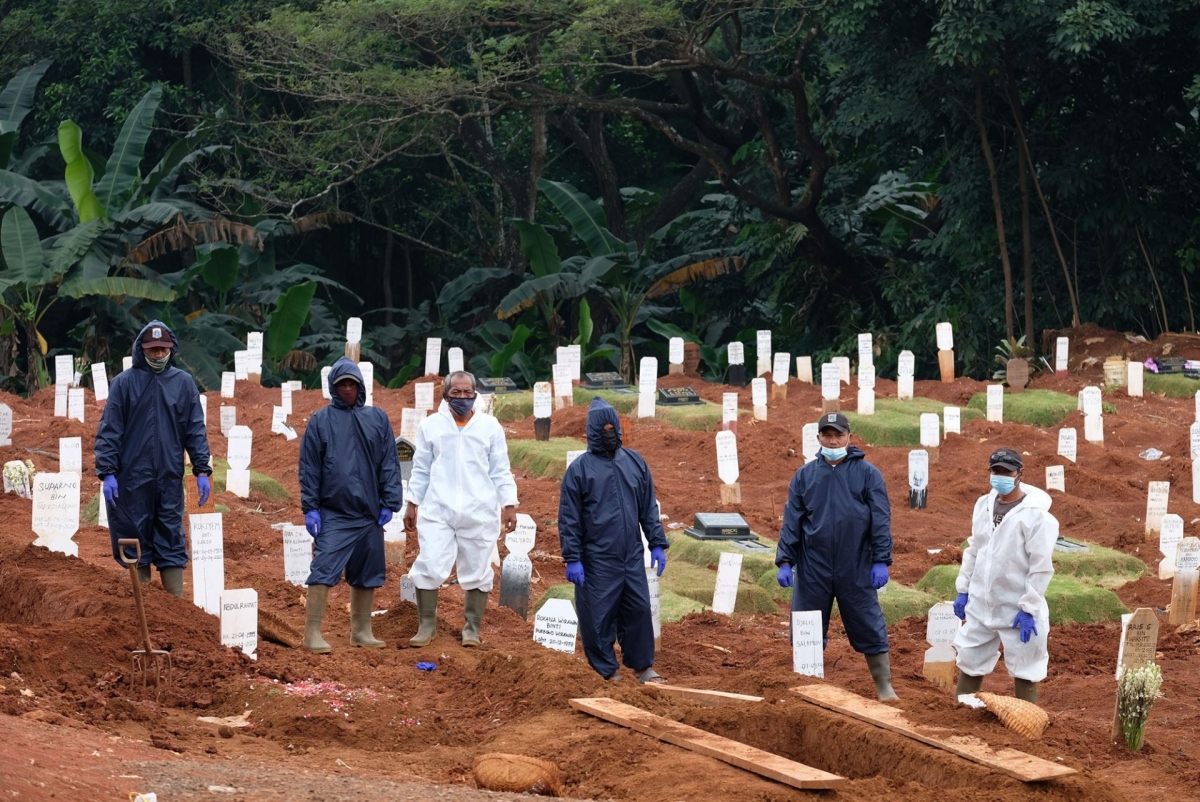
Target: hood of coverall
{"x":600,"y":414}
{"x":139,"y":358}
{"x":341,"y":369}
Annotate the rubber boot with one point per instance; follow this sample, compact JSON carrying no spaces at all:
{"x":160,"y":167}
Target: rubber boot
{"x":881,"y":671}
{"x":473,"y":606}
{"x":314,"y":614}
{"x":1026,"y":690}
{"x":143,"y":573}
{"x":361,"y":602}
{"x":172,"y":580}
{"x":967,"y":684}
{"x":426,"y":617}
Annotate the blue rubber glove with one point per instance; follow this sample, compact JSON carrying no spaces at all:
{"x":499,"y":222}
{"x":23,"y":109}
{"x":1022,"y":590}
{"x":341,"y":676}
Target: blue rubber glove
{"x":879,"y":575}
{"x":312,"y":522}
{"x":1025,"y":621}
{"x":960,"y":606}
{"x":385,"y":516}
{"x":204,"y":485}
{"x":658,"y":559}
{"x":784,"y":577}
{"x":575,"y":573}
{"x":109,"y":488}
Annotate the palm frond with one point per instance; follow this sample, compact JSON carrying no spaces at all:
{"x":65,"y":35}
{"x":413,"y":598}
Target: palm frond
{"x":695,"y":272}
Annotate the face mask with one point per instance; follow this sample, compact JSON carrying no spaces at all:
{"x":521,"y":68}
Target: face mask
{"x":461,"y":406}
{"x":1003,"y":484}
{"x":833,"y":454}
{"x":158,"y":365}
{"x":610,"y":440}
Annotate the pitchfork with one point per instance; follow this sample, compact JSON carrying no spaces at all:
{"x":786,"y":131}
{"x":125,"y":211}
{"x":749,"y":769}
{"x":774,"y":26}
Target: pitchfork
{"x":144,"y":657}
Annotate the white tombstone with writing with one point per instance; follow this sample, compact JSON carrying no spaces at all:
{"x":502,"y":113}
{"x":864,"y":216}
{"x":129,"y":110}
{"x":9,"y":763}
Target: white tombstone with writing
{"x":241,"y":365}
{"x":433,"y":356}
{"x":831,"y":382}
{"x":780,"y":368}
{"x":204,"y":412}
{"x":60,"y":400}
{"x":6,"y":425}
{"x":454,"y":360}
{"x":562,"y":380}
{"x":126,"y":363}
{"x":1157,"y":494}
{"x":1068,"y":446}
{"x":931,"y":430}
{"x":354,"y":330}
{"x":227,"y":384}
{"x":951,"y":420}
{"x":408,"y":590}
{"x":758,"y":397}
{"x":99,"y":381}
{"x":1197,"y":401}
{"x":1091,"y":401}
{"x":804,"y":371}
{"x":809,"y":445}
{"x":1093,"y":428}
{"x":424,"y":397}
{"x":808,"y":644}
{"x":543,"y":400}
{"x":727,"y":457}
{"x":866,"y":351}
{"x":228,"y":419}
{"x":655,"y":603}
{"x":763,"y":352}
{"x":995,"y":403}
{"x":207,"y":560}
{"x":647,"y":386}
{"x":736,"y":354}
{"x":410,"y":421}
{"x":285,"y":397}
{"x":239,"y":620}
{"x":918,"y":478}
{"x":70,"y":454}
{"x":237,"y":478}
{"x":102,"y":513}
{"x":75,"y":404}
{"x":1061,"y":347}
{"x":906,"y":367}
{"x":56,"y":511}
{"x":573,"y":455}
{"x":1056,"y":478}
{"x":1168,"y":542}
{"x":729,"y":408}
{"x":556,"y":626}
{"x":1194,"y":440}
{"x":325,"y":381}
{"x":575,"y":360}
{"x":1133,"y":379}
{"x":866,"y":389}
{"x":368,"y":374}
{"x":64,"y":369}
{"x":279,"y":424}
{"x":843,"y":366}
{"x":675,"y":351}
{"x":297,"y":554}
{"x":729,"y":573}
{"x":945,"y":336}
{"x":254,"y":352}
{"x":941,"y":626}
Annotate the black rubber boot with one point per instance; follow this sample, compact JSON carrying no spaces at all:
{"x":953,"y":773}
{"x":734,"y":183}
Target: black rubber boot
{"x":473,"y":606}
{"x":314,"y":614}
{"x":426,"y":617}
{"x":967,"y":684}
{"x":172,"y":580}
{"x":1026,"y":690}
{"x":881,"y":671}
{"x":361,"y":602}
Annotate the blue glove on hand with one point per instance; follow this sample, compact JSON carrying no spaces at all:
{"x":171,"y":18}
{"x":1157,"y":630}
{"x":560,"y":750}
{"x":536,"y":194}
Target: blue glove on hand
{"x":658,"y":559}
{"x":109,"y":488}
{"x":960,"y":606}
{"x":1025,"y":621}
{"x":879,"y":575}
{"x":575,"y":573}
{"x":204,"y":485}
{"x":312,"y":522}
{"x":784,"y":577}
{"x":385,"y":516}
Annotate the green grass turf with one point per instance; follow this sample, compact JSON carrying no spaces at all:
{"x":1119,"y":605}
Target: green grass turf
{"x":696,"y":417}
{"x":91,"y":511}
{"x":1033,"y":407}
{"x":546,"y":458}
{"x":259,"y":483}
{"x":898,"y":423}
{"x":672,"y":606}
{"x":1071,"y":601}
{"x":1172,"y":385}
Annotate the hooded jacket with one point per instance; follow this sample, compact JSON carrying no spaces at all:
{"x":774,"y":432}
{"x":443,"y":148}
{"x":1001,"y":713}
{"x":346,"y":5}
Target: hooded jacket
{"x":348,"y":463}
{"x":149,"y":420}
{"x":604,"y":499}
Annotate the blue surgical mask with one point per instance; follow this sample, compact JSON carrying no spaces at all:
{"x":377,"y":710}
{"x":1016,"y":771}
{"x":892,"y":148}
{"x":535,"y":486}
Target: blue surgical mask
{"x":1003,"y":484}
{"x":461,"y":406}
{"x":833,"y":454}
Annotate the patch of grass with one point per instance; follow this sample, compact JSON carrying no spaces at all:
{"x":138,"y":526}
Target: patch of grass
{"x":1071,"y":601}
{"x":1032,"y":407}
{"x":898,"y":602}
{"x":90,"y":514}
{"x":898,"y":423}
{"x":672,"y":606}
{"x":694,"y":417}
{"x":697,"y":583}
{"x":1172,"y":385}
{"x":513,"y":406}
{"x":1105,"y":567}
{"x":625,"y":403}
{"x":546,"y":458}
{"x":708,"y":552}
{"x":259,"y":482}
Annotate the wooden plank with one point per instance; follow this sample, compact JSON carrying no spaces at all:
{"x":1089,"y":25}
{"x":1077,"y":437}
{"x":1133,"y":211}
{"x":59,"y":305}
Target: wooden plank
{"x":1022,"y":766}
{"x":737,"y":754}
{"x":700,"y":696}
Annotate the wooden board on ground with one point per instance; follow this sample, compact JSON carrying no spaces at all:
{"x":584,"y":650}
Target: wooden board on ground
{"x":737,"y":754}
{"x":1022,"y":766}
{"x":701,"y":696}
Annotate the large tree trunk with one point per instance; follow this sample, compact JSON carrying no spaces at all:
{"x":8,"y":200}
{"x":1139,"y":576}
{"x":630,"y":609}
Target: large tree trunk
{"x":997,"y":208}
{"x":1026,"y":249}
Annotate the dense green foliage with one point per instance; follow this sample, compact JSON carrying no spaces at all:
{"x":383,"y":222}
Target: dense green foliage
{"x":820,"y":168}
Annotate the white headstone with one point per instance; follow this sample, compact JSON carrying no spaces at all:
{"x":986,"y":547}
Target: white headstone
{"x":6,"y":425}
{"x":454,"y":360}
{"x":647,"y":386}
{"x":1198,"y":405}
{"x":995,"y":403}
{"x":562,"y":380}
{"x":737,"y":354}
{"x":575,"y":360}
{"x":241,"y":365}
{"x":556,"y":626}
{"x":208,"y":560}
{"x":808,"y":644}
{"x":729,"y":573}
{"x":1194,"y":440}
{"x":729,"y":407}
{"x":240,"y":441}
{"x":931,"y":430}
{"x":56,"y":511}
{"x":75,"y":404}
{"x":102,"y":513}
{"x":1061,"y":347}
{"x":237,"y":481}
{"x":906,"y":365}
{"x":918,"y":469}
{"x":325,"y":381}
{"x":354,"y":330}
{"x":758,"y":397}
{"x":1196,"y":481}
{"x":655,"y":602}
{"x":780,"y":368}
{"x":866,"y":352}
{"x":254,"y":349}
{"x":297,"y":554}
{"x":843,"y":366}
{"x":410,"y":421}
{"x":866,"y":377}
{"x":1187,"y":554}
{"x":424,"y":397}
{"x":727,"y":457}
{"x":945,"y":336}
{"x":1133,"y":380}
{"x":804,"y":370}
{"x":60,"y":400}
{"x":951,"y":420}
{"x":100,"y":381}
{"x":1056,"y":478}
{"x":1091,"y":402}
{"x":866,"y":400}
{"x":204,"y":411}
{"x":1168,"y":542}
{"x":543,"y":400}
{"x":285,"y":397}
{"x":126,"y":363}
{"x":1093,"y":428}
{"x":831,"y":382}
{"x":574,"y":455}
{"x":70,"y":455}
{"x":64,"y":369}
{"x":904,"y":388}
{"x":227,"y":384}
{"x":675,"y":351}
{"x":279,"y":424}
{"x":239,"y":620}
{"x":433,"y":356}
{"x":1156,"y":504}
{"x":763,"y":352}
{"x":1067,"y":444}
{"x":522,"y":539}
{"x":408,"y":590}
{"x":368,"y":374}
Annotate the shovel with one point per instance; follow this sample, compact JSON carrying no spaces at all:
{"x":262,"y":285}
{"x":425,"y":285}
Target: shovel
{"x":147,"y":656}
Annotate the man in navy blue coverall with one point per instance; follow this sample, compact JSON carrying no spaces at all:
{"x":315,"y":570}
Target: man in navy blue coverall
{"x":152,"y":415}
{"x":349,"y":490}
{"x":836,"y":543}
{"x":606,"y":493}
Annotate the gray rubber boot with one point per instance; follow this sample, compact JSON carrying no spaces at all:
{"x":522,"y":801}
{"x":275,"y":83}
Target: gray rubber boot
{"x":426,"y":617}
{"x":314,"y":614}
{"x":172,"y":580}
{"x":361,"y":602}
{"x":967,"y":684}
{"x":473,"y":606}
{"x":1026,"y":690}
{"x":881,"y":671}
{"x":143,"y":573}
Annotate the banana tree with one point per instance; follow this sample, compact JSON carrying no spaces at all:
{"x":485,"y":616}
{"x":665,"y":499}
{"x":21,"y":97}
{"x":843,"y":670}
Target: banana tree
{"x":622,"y":274}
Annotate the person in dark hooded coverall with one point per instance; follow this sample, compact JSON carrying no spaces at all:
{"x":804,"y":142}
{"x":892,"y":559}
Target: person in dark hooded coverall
{"x":836,"y":543}
{"x":606,"y":493}
{"x":152,"y":415}
{"x":349,"y":490}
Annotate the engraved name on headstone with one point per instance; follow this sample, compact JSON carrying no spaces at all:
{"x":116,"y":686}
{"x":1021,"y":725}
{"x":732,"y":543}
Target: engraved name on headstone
{"x":239,"y":620}
{"x":207,"y":560}
{"x":729,"y":572}
{"x":556,"y":626}
{"x":808,"y":644}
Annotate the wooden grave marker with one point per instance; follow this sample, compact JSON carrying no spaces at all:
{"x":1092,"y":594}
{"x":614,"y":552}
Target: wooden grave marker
{"x":517,"y":569}
{"x":1139,"y":644}
{"x":945,"y":344}
{"x":1157,"y":494}
{"x":1187,"y":578}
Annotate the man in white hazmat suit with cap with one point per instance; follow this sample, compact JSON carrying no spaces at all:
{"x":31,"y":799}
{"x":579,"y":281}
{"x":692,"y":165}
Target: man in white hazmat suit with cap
{"x":460,"y":494}
{"x":1002,"y":583}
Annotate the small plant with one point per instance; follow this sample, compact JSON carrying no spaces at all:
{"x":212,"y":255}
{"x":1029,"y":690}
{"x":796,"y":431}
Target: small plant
{"x":1013,"y":349}
{"x":1136,"y":692}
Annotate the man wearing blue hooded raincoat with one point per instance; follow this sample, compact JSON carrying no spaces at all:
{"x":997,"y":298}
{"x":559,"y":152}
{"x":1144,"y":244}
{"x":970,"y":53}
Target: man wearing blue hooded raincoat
{"x":349,"y":490}
{"x":606,"y":494}
{"x":152,"y":416}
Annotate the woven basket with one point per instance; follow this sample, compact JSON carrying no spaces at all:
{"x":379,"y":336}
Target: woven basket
{"x":497,"y":771}
{"x":1018,"y":715}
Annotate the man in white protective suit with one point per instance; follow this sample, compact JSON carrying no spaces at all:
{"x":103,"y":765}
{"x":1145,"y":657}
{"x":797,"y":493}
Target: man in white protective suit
{"x":460,"y":494}
{"x":1002,"y":582}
